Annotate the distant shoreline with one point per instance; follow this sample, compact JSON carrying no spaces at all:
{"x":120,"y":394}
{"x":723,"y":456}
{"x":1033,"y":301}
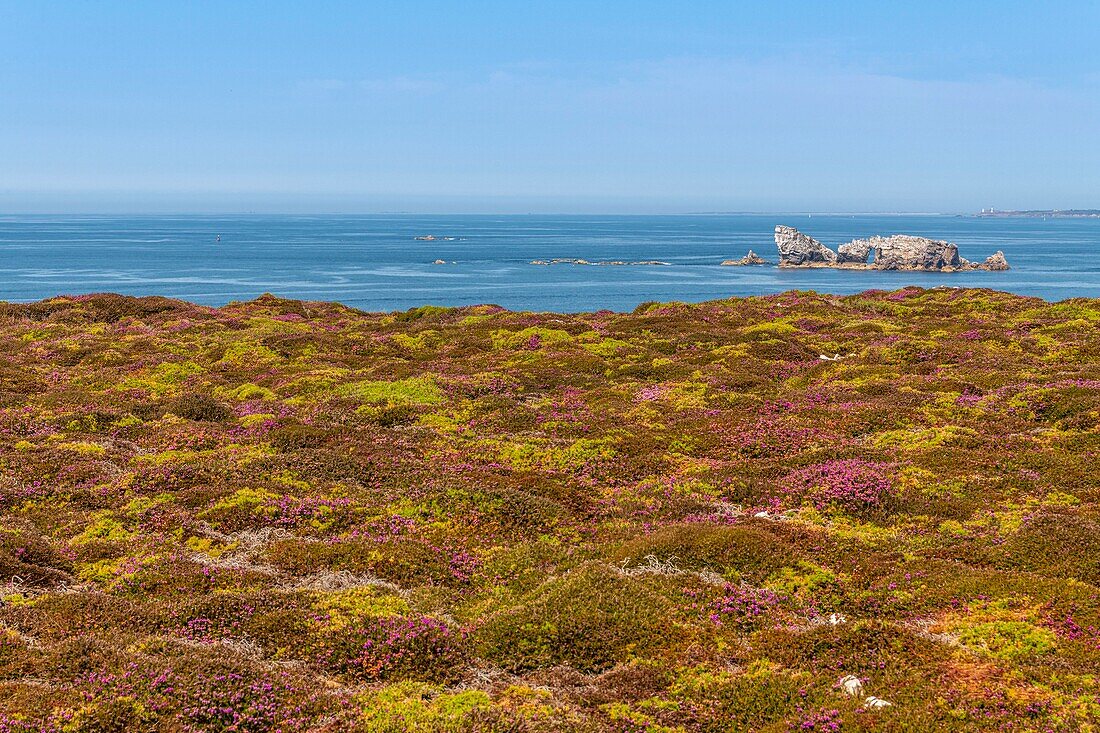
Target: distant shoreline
{"x":1041,"y":214}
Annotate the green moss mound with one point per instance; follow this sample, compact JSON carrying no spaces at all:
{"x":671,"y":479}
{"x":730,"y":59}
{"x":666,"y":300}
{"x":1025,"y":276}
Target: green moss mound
{"x":590,"y":619}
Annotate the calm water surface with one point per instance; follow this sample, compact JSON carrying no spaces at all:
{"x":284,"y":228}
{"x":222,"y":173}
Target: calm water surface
{"x":375,"y":263}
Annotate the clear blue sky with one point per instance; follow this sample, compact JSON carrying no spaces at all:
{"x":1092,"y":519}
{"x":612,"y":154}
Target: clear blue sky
{"x":627,"y":106}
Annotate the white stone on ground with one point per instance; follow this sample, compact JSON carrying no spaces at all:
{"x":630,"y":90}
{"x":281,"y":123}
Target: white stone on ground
{"x":851,"y":685}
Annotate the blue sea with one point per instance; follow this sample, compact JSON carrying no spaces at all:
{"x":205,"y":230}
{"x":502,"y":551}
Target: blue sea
{"x":376,"y":263}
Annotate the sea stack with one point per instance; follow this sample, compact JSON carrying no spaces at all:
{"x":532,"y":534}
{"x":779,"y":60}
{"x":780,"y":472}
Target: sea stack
{"x":798,"y":250}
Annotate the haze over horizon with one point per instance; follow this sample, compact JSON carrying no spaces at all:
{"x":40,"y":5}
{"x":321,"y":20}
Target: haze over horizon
{"x":567,"y":107}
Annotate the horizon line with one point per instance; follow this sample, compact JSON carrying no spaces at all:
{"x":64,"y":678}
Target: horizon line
{"x":4,"y":214}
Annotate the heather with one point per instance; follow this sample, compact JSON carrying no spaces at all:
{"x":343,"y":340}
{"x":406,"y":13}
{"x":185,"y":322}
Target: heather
{"x":291,"y":516}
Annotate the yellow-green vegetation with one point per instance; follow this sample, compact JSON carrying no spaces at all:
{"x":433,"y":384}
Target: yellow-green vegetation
{"x":281,"y":516}
{"x":412,"y":391}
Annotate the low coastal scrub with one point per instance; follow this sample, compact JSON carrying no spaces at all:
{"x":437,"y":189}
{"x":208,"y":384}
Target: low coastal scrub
{"x":796,"y":512}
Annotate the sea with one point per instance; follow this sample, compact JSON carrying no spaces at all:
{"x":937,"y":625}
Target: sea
{"x":378,"y":262}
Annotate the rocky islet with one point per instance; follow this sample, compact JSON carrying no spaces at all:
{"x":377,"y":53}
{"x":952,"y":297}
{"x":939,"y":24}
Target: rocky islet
{"x":895,"y":252}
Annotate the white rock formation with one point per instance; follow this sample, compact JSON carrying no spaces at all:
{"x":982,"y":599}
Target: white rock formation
{"x":897,"y":252}
{"x":995,"y":261}
{"x":796,"y":249}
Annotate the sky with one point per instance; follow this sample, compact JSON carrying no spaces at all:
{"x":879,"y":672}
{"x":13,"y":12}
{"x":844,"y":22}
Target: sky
{"x":562,"y":106}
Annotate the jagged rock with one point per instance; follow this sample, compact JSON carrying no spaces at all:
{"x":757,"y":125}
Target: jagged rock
{"x":796,"y":249}
{"x":750,"y":259}
{"x":904,"y":252}
{"x":855,"y":251}
{"x":896,"y":252}
{"x":995,"y":262}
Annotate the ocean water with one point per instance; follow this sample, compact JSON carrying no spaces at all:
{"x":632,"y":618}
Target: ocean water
{"x":375,"y":263}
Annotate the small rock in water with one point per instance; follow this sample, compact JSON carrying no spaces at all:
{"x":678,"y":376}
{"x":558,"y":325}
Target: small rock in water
{"x":995,"y":262}
{"x":750,"y":259}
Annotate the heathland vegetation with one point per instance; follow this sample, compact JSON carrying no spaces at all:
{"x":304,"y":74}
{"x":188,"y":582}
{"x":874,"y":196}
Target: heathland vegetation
{"x":765,"y":514}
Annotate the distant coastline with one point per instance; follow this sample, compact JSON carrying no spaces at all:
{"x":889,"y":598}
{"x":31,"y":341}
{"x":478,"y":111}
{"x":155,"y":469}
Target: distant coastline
{"x":1041,"y":213}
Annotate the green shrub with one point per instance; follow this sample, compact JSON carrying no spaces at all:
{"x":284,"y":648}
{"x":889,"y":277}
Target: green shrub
{"x":411,"y":391}
{"x":199,"y":407}
{"x":249,"y":391}
{"x":590,"y":618}
{"x":749,"y":553}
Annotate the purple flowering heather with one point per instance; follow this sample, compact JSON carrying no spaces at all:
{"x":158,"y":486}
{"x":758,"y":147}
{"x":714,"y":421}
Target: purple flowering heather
{"x":401,"y":647}
{"x":743,"y":607}
{"x":850,"y":484}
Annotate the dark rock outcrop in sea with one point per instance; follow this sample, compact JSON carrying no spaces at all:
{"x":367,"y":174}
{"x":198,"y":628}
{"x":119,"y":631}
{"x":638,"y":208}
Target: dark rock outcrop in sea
{"x":576,"y":261}
{"x":897,"y":252}
{"x":750,"y":259}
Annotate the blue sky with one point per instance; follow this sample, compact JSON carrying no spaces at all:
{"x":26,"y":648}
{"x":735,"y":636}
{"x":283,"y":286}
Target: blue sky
{"x":548,"y":106}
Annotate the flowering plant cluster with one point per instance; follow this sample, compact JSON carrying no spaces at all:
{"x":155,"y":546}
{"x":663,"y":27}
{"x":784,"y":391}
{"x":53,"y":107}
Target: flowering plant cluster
{"x":413,"y":647}
{"x":851,"y":484}
{"x":743,"y":607}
